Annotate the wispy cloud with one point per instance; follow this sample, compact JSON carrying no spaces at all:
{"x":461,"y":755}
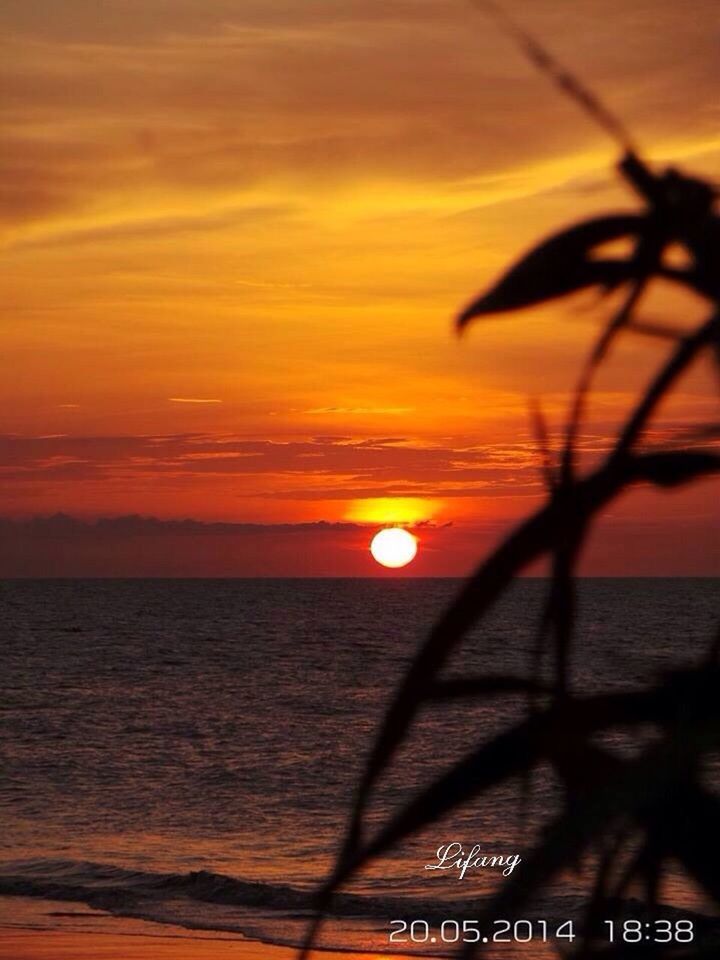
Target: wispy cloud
{"x":351,"y":411}
{"x":249,"y":467}
{"x":193,"y":400}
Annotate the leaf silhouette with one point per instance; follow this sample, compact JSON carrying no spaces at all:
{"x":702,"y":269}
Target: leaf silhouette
{"x":675,"y":467}
{"x":636,"y":789}
{"x":695,"y":840}
{"x":562,"y":265}
{"x":549,"y":735}
{"x":505,"y":756}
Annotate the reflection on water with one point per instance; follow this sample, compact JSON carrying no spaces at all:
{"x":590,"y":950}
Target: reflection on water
{"x":203,"y":730}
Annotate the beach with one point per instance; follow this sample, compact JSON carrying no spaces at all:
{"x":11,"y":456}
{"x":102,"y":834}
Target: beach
{"x":32,"y":929}
{"x":54,"y":945}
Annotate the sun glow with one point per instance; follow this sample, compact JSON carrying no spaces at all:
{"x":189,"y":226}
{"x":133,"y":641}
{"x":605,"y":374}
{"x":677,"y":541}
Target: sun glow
{"x":393,"y":547}
{"x":388,"y":510}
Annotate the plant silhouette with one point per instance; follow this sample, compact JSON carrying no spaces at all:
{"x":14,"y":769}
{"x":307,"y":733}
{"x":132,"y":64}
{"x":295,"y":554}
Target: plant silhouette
{"x":626,"y":819}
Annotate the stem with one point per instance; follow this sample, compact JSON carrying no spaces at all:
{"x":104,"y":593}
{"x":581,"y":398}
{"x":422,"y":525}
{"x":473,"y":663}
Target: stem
{"x":671,"y":372}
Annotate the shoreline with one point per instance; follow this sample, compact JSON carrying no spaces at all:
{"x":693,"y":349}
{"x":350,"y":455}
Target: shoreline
{"x":24,"y":943}
{"x":19,"y":943}
{"x":33,"y":929}
{"x":39,"y":929}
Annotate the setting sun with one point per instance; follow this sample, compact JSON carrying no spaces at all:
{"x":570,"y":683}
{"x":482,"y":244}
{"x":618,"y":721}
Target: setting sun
{"x":393,"y":547}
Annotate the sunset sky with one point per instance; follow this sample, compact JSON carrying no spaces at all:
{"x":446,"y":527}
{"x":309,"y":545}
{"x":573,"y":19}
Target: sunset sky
{"x":235,"y":233}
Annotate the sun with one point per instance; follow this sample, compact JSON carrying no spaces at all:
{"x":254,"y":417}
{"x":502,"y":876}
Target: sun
{"x":393,"y":547}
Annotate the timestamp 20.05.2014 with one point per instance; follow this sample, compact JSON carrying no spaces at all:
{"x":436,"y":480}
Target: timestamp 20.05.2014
{"x":524,"y":931}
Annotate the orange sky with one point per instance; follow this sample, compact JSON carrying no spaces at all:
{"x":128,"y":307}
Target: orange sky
{"x":235,"y":231}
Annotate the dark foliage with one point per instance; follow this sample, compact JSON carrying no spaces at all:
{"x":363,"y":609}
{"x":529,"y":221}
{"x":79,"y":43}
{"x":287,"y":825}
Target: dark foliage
{"x":657,"y":799}
{"x":625,"y":818}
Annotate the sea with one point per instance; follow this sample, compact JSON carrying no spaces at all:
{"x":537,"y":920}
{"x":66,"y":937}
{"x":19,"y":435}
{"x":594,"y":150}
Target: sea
{"x":185,"y":752}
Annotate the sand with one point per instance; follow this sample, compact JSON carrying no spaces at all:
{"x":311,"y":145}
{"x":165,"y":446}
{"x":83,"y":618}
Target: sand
{"x":54,"y":945}
{"x":28,"y":931}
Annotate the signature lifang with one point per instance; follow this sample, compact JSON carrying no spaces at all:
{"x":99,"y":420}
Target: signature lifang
{"x":453,"y":856}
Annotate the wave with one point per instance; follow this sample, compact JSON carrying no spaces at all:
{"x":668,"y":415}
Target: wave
{"x":110,"y":887}
{"x":205,"y":901}
{"x":271,"y":913}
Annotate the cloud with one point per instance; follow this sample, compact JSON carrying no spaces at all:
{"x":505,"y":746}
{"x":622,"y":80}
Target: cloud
{"x":161,"y":226}
{"x":136,"y":525}
{"x":305,"y":469}
{"x":330,"y":468}
{"x":635,"y":544}
{"x":192,"y":400}
{"x":171,"y":103}
{"x":359,"y":411}
{"x":132,"y":546}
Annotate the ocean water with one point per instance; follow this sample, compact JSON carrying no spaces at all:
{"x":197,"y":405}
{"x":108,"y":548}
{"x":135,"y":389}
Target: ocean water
{"x":185,"y":751}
